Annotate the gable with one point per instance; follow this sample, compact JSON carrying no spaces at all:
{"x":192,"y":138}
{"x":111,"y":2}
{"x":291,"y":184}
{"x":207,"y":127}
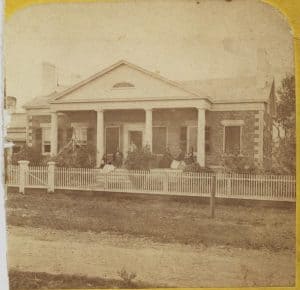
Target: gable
{"x":124,"y":82}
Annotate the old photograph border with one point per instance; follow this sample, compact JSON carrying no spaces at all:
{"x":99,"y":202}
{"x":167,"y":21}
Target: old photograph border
{"x":291,"y":10}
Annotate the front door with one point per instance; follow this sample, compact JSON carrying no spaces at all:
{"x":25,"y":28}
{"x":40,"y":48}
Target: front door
{"x":136,"y":138}
{"x":112,"y":140}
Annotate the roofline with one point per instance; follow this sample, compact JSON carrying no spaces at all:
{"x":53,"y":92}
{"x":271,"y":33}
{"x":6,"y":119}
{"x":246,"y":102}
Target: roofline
{"x":117,"y":64}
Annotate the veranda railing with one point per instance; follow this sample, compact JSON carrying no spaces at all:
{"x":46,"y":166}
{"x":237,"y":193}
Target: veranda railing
{"x":243,"y":186}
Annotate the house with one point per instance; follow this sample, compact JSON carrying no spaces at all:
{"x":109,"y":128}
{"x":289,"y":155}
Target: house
{"x":16,"y":129}
{"x":126,"y":104}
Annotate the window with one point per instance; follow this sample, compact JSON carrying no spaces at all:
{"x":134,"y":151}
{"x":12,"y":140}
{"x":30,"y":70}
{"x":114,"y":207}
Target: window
{"x":188,"y":138}
{"x":46,"y":143}
{"x":232,"y":139}
{"x":80,"y":135}
{"x":122,"y":85}
{"x":159,"y":140}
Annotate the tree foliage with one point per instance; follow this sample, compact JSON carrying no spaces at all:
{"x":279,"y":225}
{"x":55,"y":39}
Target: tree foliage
{"x":139,"y":159}
{"x":284,"y":151}
{"x":76,"y":156}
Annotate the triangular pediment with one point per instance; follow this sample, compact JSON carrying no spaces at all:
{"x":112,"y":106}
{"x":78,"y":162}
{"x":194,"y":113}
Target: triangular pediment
{"x":124,"y":81}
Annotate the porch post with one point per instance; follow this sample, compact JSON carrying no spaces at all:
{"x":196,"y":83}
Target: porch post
{"x":148,"y":128}
{"x":100,"y":137}
{"x":54,"y":131}
{"x":201,"y":137}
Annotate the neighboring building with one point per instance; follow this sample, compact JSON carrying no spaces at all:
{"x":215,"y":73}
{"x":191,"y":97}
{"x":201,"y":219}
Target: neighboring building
{"x":16,"y":129}
{"x":125,"y":103}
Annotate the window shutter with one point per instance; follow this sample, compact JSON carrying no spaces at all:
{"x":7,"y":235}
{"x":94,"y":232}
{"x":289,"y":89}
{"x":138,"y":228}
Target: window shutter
{"x":90,"y":136}
{"x":69,"y":133}
{"x":38,"y":134}
{"x":37,"y":142}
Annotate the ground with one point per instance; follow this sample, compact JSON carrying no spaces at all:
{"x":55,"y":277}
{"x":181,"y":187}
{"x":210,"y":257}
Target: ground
{"x":164,"y":241}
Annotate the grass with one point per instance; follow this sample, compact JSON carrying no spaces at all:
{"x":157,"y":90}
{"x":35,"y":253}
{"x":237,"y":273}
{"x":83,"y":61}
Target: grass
{"x":19,"y":280}
{"x":160,"y":218}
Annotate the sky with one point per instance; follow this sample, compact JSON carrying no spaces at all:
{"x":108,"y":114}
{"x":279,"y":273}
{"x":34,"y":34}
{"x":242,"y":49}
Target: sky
{"x":180,"y":39}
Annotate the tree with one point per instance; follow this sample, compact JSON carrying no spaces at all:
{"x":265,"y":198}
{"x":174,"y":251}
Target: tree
{"x":285,"y":122}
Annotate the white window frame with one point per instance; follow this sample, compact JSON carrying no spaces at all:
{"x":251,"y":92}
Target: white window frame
{"x":45,"y":126}
{"x":80,"y":126}
{"x":167,"y":137}
{"x":188,"y":139}
{"x":233,"y":123}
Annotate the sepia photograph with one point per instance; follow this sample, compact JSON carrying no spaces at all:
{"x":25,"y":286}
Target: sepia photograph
{"x":150,"y":144}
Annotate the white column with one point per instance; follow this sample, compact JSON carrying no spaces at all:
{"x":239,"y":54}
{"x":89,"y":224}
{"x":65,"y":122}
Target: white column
{"x":100,"y":137}
{"x":54,"y":132}
{"x":201,"y":137}
{"x":148,"y":128}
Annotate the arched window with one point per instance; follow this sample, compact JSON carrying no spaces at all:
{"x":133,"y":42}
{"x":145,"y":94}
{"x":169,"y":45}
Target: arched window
{"x":123,"y":85}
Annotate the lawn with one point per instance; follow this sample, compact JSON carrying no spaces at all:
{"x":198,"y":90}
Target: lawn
{"x":160,"y":218}
{"x":30,"y":280}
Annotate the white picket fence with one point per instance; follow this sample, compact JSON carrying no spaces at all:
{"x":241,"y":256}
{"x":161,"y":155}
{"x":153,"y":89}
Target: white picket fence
{"x":242,"y":186}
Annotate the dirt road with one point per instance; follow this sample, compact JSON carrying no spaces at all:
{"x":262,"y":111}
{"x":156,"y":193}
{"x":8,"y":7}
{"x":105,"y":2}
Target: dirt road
{"x":104,"y":254}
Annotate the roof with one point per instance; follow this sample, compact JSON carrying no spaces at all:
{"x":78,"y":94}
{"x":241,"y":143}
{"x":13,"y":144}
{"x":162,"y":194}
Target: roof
{"x":245,"y":89}
{"x":133,"y":66}
{"x":43,"y":101}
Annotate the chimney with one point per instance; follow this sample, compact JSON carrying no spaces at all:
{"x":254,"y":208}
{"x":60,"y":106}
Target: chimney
{"x":49,"y":78}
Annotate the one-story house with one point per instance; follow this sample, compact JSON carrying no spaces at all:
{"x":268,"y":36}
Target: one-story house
{"x":126,"y":104}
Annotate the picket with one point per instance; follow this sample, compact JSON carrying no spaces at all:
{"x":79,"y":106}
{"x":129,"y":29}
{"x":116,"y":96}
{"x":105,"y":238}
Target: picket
{"x":228,"y":185}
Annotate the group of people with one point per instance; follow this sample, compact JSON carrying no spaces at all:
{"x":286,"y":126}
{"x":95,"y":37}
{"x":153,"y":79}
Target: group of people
{"x":167,"y":160}
{"x":182,"y":159}
{"x":115,"y":159}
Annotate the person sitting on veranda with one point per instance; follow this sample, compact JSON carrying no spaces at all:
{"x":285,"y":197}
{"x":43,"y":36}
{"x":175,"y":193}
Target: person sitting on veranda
{"x":103,"y":161}
{"x":180,"y":156}
{"x":166,"y":160}
{"x":118,"y":159}
{"x":189,"y":159}
{"x":132,"y":147}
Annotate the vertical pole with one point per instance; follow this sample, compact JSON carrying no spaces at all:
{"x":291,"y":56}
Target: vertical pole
{"x":51,"y":176}
{"x":148,"y":128}
{"x":213,"y":196}
{"x":201,"y":137}
{"x":23,"y":169}
{"x":54,"y":131}
{"x":100,"y":137}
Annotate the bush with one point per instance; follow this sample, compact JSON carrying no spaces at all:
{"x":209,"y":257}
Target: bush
{"x":139,"y":159}
{"x":195,"y":167}
{"x":31,"y":154}
{"x":76,"y":156}
{"x":241,"y":164}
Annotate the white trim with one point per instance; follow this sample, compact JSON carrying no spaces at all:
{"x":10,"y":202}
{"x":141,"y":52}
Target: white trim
{"x":45,"y":126}
{"x":224,"y":137}
{"x":233,"y":122}
{"x":79,"y":125}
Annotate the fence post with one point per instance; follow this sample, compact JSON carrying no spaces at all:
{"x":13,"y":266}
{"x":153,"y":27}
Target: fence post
{"x":23,"y":169}
{"x":165,"y":182}
{"x":51,"y":176}
{"x":213,"y":196}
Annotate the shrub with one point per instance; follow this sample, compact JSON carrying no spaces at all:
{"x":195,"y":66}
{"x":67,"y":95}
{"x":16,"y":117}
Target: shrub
{"x":139,"y":159}
{"x":195,"y":167}
{"x":31,"y":154}
{"x":76,"y":156}
{"x":241,"y":164}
